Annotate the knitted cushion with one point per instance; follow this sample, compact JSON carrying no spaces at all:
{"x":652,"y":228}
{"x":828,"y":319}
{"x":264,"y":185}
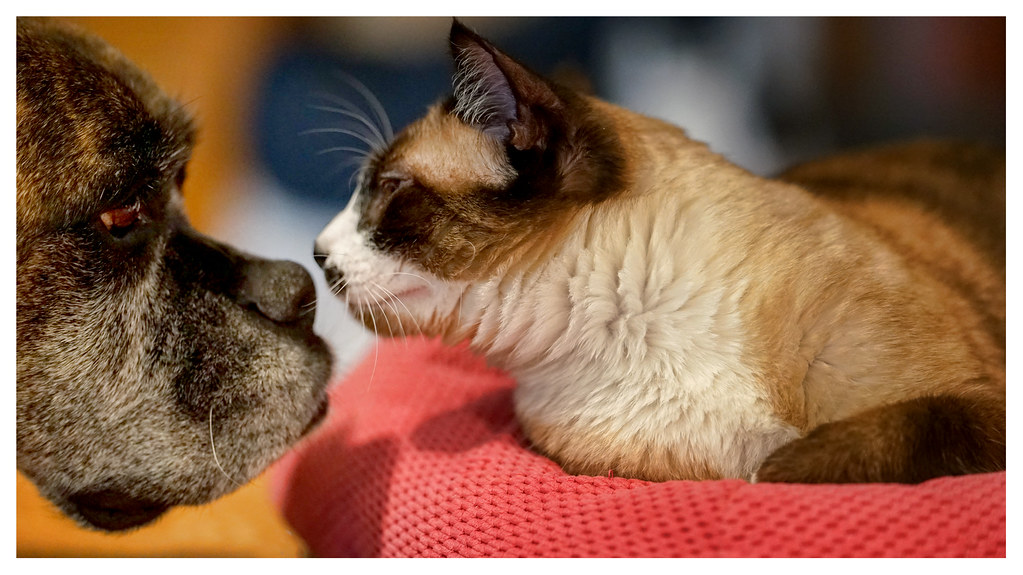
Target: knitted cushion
{"x":422,"y":456}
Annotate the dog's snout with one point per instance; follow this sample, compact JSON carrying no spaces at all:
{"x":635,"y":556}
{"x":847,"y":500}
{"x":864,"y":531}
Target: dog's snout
{"x":282,"y":291}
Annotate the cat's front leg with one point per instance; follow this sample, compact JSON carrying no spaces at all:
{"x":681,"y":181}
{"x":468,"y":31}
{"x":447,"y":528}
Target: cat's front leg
{"x":906,"y":442}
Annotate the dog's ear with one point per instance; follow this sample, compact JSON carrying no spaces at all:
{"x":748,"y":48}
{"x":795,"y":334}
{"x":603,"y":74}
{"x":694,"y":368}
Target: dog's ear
{"x":498,"y":95}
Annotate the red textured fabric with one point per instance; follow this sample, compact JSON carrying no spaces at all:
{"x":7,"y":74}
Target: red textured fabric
{"x":422,"y":457}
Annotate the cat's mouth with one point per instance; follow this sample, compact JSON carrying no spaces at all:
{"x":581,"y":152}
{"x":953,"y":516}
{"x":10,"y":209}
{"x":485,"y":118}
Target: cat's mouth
{"x":389,"y":313}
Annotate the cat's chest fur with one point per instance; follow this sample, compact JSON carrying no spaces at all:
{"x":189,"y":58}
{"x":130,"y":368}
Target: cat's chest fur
{"x":630,"y":337}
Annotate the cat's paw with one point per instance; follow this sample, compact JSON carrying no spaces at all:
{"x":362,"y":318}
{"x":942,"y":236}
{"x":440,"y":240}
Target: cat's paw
{"x":839,"y":452}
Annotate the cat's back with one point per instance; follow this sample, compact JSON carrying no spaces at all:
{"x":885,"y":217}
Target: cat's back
{"x":939,"y":206}
{"x":953,"y":184}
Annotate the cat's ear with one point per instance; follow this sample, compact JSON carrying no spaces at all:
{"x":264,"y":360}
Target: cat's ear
{"x":498,"y":95}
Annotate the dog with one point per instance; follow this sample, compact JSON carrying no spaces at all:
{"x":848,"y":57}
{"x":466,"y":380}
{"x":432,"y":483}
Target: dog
{"x":155,"y":366}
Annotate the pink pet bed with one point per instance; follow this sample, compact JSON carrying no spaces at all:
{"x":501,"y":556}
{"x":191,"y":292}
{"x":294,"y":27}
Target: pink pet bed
{"x":422,"y":457}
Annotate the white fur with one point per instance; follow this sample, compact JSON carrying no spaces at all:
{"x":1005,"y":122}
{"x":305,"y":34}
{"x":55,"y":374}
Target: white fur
{"x":374,"y":278}
{"x":634,"y":328}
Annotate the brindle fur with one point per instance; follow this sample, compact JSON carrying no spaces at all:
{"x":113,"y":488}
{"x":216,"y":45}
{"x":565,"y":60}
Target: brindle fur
{"x":156,"y":366}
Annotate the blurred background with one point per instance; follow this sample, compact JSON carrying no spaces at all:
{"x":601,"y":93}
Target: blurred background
{"x":275,"y":158}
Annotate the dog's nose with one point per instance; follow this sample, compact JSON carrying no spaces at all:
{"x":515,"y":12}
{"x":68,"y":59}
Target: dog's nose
{"x":282,"y":291}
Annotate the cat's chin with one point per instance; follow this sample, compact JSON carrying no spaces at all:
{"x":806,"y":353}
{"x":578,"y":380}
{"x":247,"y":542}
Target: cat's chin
{"x":410,"y":293}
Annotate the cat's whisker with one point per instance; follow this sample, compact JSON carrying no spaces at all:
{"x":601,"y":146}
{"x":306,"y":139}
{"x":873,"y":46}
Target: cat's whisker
{"x":417,"y":276}
{"x":342,"y":165}
{"x":310,"y":305}
{"x":389,"y":299}
{"x":419,"y":327}
{"x":469,"y":261}
{"x":339,"y":105}
{"x":380,"y":298}
{"x":374,"y":103}
{"x":474,"y":251}
{"x":376,"y":354}
{"x":358,"y":174}
{"x":361,"y":154}
{"x":344,"y":131}
{"x":337,"y":286}
{"x":361,"y":118}
{"x":461,"y":297}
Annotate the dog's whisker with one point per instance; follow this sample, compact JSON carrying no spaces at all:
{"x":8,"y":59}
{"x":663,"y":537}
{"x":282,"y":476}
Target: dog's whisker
{"x":213,"y":448}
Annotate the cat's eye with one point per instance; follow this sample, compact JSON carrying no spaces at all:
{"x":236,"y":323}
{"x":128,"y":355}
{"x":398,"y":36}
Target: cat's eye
{"x":392,"y":181}
{"x":120,"y":221}
{"x":389,"y":185}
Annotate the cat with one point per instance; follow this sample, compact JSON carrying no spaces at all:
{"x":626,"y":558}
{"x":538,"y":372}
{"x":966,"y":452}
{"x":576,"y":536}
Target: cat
{"x":669,"y":315}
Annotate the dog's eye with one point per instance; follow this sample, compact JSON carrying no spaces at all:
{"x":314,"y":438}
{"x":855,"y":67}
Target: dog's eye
{"x":122,"y":220}
{"x":179,"y":178}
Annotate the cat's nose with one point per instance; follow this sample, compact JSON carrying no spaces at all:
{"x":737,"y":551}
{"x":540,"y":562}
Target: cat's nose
{"x":335,"y":278}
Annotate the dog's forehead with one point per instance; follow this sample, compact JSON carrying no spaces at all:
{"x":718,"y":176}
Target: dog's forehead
{"x":88,"y":121}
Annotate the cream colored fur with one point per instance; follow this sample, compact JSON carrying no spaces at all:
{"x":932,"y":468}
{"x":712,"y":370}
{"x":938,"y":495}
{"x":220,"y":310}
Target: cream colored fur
{"x":688,"y":319}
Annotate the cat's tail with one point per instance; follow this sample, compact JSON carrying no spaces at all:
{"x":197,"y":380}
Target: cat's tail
{"x":906,"y":442}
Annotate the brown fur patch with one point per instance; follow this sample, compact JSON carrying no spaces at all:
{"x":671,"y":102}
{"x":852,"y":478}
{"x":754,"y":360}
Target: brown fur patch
{"x":905,"y":442}
{"x":449,"y":156}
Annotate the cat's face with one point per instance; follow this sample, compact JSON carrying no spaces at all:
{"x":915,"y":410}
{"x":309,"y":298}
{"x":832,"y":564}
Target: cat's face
{"x":400,"y":253}
{"x":465,"y":193}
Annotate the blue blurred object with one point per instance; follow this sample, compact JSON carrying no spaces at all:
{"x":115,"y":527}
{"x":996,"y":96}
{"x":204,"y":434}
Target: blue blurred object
{"x":290,"y":142}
